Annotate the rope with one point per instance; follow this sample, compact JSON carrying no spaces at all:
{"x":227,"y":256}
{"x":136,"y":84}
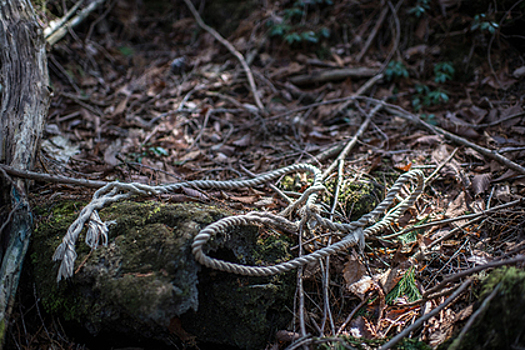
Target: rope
{"x":305,"y":207}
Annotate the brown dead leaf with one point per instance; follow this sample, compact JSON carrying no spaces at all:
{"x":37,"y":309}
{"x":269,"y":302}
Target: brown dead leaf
{"x":121,"y":107}
{"x":519,"y":72}
{"x":509,"y":174}
{"x":479,"y":258}
{"x":389,"y":278}
{"x":244,"y":141}
{"x":457,"y":208}
{"x":354,"y":270}
{"x":245,"y":199}
{"x":191,"y":192}
{"x":480,"y":183}
{"x":362,"y":287}
{"x":418,"y":50}
{"x":289,"y":69}
{"x":111,"y":152}
{"x":439,"y":155}
{"x":463,"y":314}
{"x":441,"y":327}
{"x":473,"y":115}
{"x":475,"y":154}
{"x":503,"y":81}
{"x":453,"y":124}
{"x":516,"y":109}
{"x":427,"y":140}
{"x":190,"y":156}
{"x":360,"y":327}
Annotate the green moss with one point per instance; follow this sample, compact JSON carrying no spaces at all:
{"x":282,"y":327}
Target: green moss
{"x":356,"y":197}
{"x":500,"y":326}
{"x":2,"y":331}
{"x":147,"y":274}
{"x":272,"y":248}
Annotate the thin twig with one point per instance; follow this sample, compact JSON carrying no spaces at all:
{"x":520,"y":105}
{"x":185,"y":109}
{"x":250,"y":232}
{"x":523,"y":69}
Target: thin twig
{"x":233,"y":51}
{"x":62,"y":31}
{"x":471,"y":320}
{"x":398,"y":32}
{"x":9,"y":217}
{"x":373,"y":34}
{"x":52,"y":27}
{"x":364,"y":88}
{"x":302,"y":326}
{"x":447,"y":221}
{"x":424,"y":318}
{"x":31,"y":175}
{"x":203,"y":127}
{"x":352,"y":142}
{"x":326,"y":280}
{"x":468,"y":272}
{"x":429,"y":179}
{"x":351,"y":315}
{"x":396,"y":110}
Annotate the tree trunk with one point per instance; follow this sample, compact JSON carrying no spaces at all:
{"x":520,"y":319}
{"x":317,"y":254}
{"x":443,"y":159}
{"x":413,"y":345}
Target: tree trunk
{"x":23,"y":108}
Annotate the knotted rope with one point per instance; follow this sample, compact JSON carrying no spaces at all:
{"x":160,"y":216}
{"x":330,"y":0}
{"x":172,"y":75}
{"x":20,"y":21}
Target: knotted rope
{"x":305,"y":207}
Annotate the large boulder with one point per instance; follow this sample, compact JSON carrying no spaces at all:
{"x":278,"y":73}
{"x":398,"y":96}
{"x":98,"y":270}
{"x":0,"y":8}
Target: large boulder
{"x":145,"y":284}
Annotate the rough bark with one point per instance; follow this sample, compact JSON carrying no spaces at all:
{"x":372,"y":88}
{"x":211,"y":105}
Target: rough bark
{"x":23,"y":107}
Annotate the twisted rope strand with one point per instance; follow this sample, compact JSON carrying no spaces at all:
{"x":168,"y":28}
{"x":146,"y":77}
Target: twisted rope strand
{"x":305,"y":206}
{"x":356,"y":234}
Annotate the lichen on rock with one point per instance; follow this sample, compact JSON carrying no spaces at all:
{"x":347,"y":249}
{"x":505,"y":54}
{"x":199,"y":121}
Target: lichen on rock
{"x":146,"y":276}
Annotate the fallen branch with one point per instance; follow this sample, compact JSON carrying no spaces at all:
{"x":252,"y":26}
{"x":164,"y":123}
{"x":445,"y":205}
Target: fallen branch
{"x":60,"y":32}
{"x":233,"y":51}
{"x":447,"y":221}
{"x":333,"y":74}
{"x":53,"y":26}
{"x":31,"y":175}
{"x":400,"y":112}
{"x":373,"y":34}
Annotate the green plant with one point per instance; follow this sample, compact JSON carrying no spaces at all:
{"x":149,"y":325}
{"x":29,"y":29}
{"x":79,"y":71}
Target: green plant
{"x":291,"y":30}
{"x":419,"y":8}
{"x":429,"y":118}
{"x":484,"y":24}
{"x":426,"y":97}
{"x":443,"y":71}
{"x":435,"y":97}
{"x":405,"y":287}
{"x":156,"y":151}
{"x":395,"y":69}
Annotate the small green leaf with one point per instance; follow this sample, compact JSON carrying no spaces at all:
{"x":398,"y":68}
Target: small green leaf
{"x":309,"y":36}
{"x":159,"y":151}
{"x":126,"y":51}
{"x":292,"y":38}
{"x":324,"y":32}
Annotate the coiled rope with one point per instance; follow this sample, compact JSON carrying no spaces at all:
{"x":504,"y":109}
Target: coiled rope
{"x":305,"y":207}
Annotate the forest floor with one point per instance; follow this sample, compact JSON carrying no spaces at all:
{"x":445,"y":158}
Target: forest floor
{"x":142,"y":94}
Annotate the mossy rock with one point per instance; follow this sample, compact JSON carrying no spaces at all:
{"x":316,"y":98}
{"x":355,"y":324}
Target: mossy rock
{"x":502,"y":324}
{"x":146,"y":278}
{"x":356,"y":198}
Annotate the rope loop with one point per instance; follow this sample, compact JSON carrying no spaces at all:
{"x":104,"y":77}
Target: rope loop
{"x":305,"y":208}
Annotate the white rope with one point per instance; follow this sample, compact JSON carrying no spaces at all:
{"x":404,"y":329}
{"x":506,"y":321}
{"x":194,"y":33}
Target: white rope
{"x":305,"y":208}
